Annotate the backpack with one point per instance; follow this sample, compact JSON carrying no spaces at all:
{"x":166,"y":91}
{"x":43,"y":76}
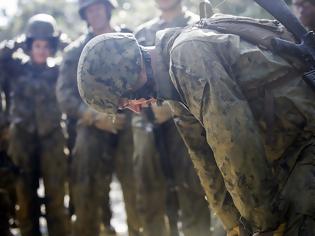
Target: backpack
{"x":259,"y":32}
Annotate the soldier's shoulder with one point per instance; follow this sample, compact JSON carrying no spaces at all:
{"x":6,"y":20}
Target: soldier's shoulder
{"x":72,"y":51}
{"x":191,"y":17}
{"x":149,"y":25}
{"x":52,"y":68}
{"x":203,"y":37}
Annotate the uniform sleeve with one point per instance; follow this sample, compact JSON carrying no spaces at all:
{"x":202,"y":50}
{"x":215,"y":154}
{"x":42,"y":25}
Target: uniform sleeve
{"x":202,"y":72}
{"x":211,"y":179}
{"x":7,"y":48}
{"x":67,"y":92}
{"x":2,"y":111}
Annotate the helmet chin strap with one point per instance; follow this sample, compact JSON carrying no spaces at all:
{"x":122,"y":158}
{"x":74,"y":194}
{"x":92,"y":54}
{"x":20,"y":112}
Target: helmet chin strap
{"x":146,"y":95}
{"x":147,"y":91}
{"x":137,"y":105}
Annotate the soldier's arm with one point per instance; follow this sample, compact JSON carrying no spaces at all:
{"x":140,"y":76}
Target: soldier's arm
{"x":67,"y":92}
{"x":205,"y":77}
{"x":7,"y":48}
{"x":70,"y":101}
{"x":3,"y":104}
{"x":210,"y":176}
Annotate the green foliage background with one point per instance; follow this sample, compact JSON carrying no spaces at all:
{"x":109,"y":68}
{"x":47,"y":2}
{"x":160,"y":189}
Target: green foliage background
{"x":131,"y":13}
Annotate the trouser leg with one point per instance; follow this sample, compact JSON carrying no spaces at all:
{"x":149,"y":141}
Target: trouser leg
{"x":299,"y":193}
{"x":22,"y":149}
{"x":150,"y":182}
{"x":53,"y":170}
{"x":91,"y":176}
{"x":125,"y":173}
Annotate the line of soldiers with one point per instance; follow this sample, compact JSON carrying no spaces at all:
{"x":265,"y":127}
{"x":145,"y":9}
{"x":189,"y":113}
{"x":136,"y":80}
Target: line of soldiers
{"x":244,"y":111}
{"x":162,"y":192}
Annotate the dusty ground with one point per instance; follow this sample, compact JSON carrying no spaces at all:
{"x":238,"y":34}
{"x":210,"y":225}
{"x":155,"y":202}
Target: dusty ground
{"x":117,"y":205}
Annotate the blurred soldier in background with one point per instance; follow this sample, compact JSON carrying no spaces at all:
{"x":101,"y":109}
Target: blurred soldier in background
{"x":305,"y":10}
{"x":164,"y":171}
{"x":8,"y":171}
{"x":36,"y":142}
{"x":98,"y":150}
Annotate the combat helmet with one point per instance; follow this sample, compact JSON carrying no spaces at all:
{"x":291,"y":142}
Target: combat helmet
{"x":109,"y":67}
{"x":42,"y":26}
{"x":83,"y":4}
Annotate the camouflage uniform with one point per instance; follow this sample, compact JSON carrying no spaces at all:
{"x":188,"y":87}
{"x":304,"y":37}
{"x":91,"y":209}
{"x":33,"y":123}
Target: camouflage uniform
{"x":36,"y":142}
{"x":7,"y":173}
{"x":265,"y":167}
{"x":246,"y":105}
{"x":97,"y":153}
{"x":150,"y":134}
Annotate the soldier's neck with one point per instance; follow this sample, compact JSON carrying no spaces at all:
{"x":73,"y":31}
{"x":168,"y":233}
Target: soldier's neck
{"x":171,"y":14}
{"x":106,"y":29}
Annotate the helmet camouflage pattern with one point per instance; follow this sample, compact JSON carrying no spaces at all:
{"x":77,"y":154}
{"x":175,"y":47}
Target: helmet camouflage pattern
{"x":41,"y":26}
{"x":109,"y":66}
{"x":83,"y":4}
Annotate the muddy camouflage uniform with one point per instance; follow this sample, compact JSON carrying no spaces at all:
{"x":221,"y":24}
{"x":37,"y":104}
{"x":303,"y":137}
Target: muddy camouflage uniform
{"x":96,"y":155}
{"x":36,"y":142}
{"x":247,"y":106}
{"x":153,"y":179}
{"x":267,"y":168}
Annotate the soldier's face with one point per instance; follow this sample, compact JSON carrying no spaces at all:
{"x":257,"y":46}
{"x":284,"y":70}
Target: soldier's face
{"x":166,"y":5}
{"x":96,"y":16}
{"x":305,"y":10}
{"x":138,"y":104}
{"x":40,"y":51}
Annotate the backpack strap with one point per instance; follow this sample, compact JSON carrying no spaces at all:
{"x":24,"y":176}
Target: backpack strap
{"x":259,"y":32}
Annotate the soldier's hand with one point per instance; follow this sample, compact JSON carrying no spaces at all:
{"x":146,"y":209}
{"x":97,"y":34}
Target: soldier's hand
{"x":104,"y":122}
{"x":119,"y":121}
{"x":87,"y":117}
{"x":162,"y":113}
{"x":4,"y":137}
{"x":8,"y":47}
{"x":19,"y":42}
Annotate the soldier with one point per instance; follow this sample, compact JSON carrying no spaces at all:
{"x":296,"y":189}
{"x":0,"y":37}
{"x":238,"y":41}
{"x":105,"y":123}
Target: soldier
{"x":36,"y":142}
{"x":159,"y":148}
{"x":5,"y":172}
{"x":250,"y":106}
{"x":97,"y":142}
{"x":305,"y":10}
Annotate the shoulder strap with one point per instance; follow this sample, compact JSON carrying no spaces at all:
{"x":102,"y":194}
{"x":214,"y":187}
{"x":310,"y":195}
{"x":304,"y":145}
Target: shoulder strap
{"x":256,"y":31}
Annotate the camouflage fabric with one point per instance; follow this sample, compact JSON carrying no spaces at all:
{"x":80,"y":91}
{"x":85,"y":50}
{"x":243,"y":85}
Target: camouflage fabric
{"x":94,"y":66}
{"x":40,"y":156}
{"x":229,"y":93}
{"x":88,"y":177}
{"x":4,"y":213}
{"x":8,"y":174}
{"x":35,"y":125}
{"x":150,"y":181}
{"x":195,"y":215}
{"x":92,"y":55}
{"x":68,"y":95}
{"x":145,"y":33}
{"x":90,"y":142}
{"x":220,"y":89}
